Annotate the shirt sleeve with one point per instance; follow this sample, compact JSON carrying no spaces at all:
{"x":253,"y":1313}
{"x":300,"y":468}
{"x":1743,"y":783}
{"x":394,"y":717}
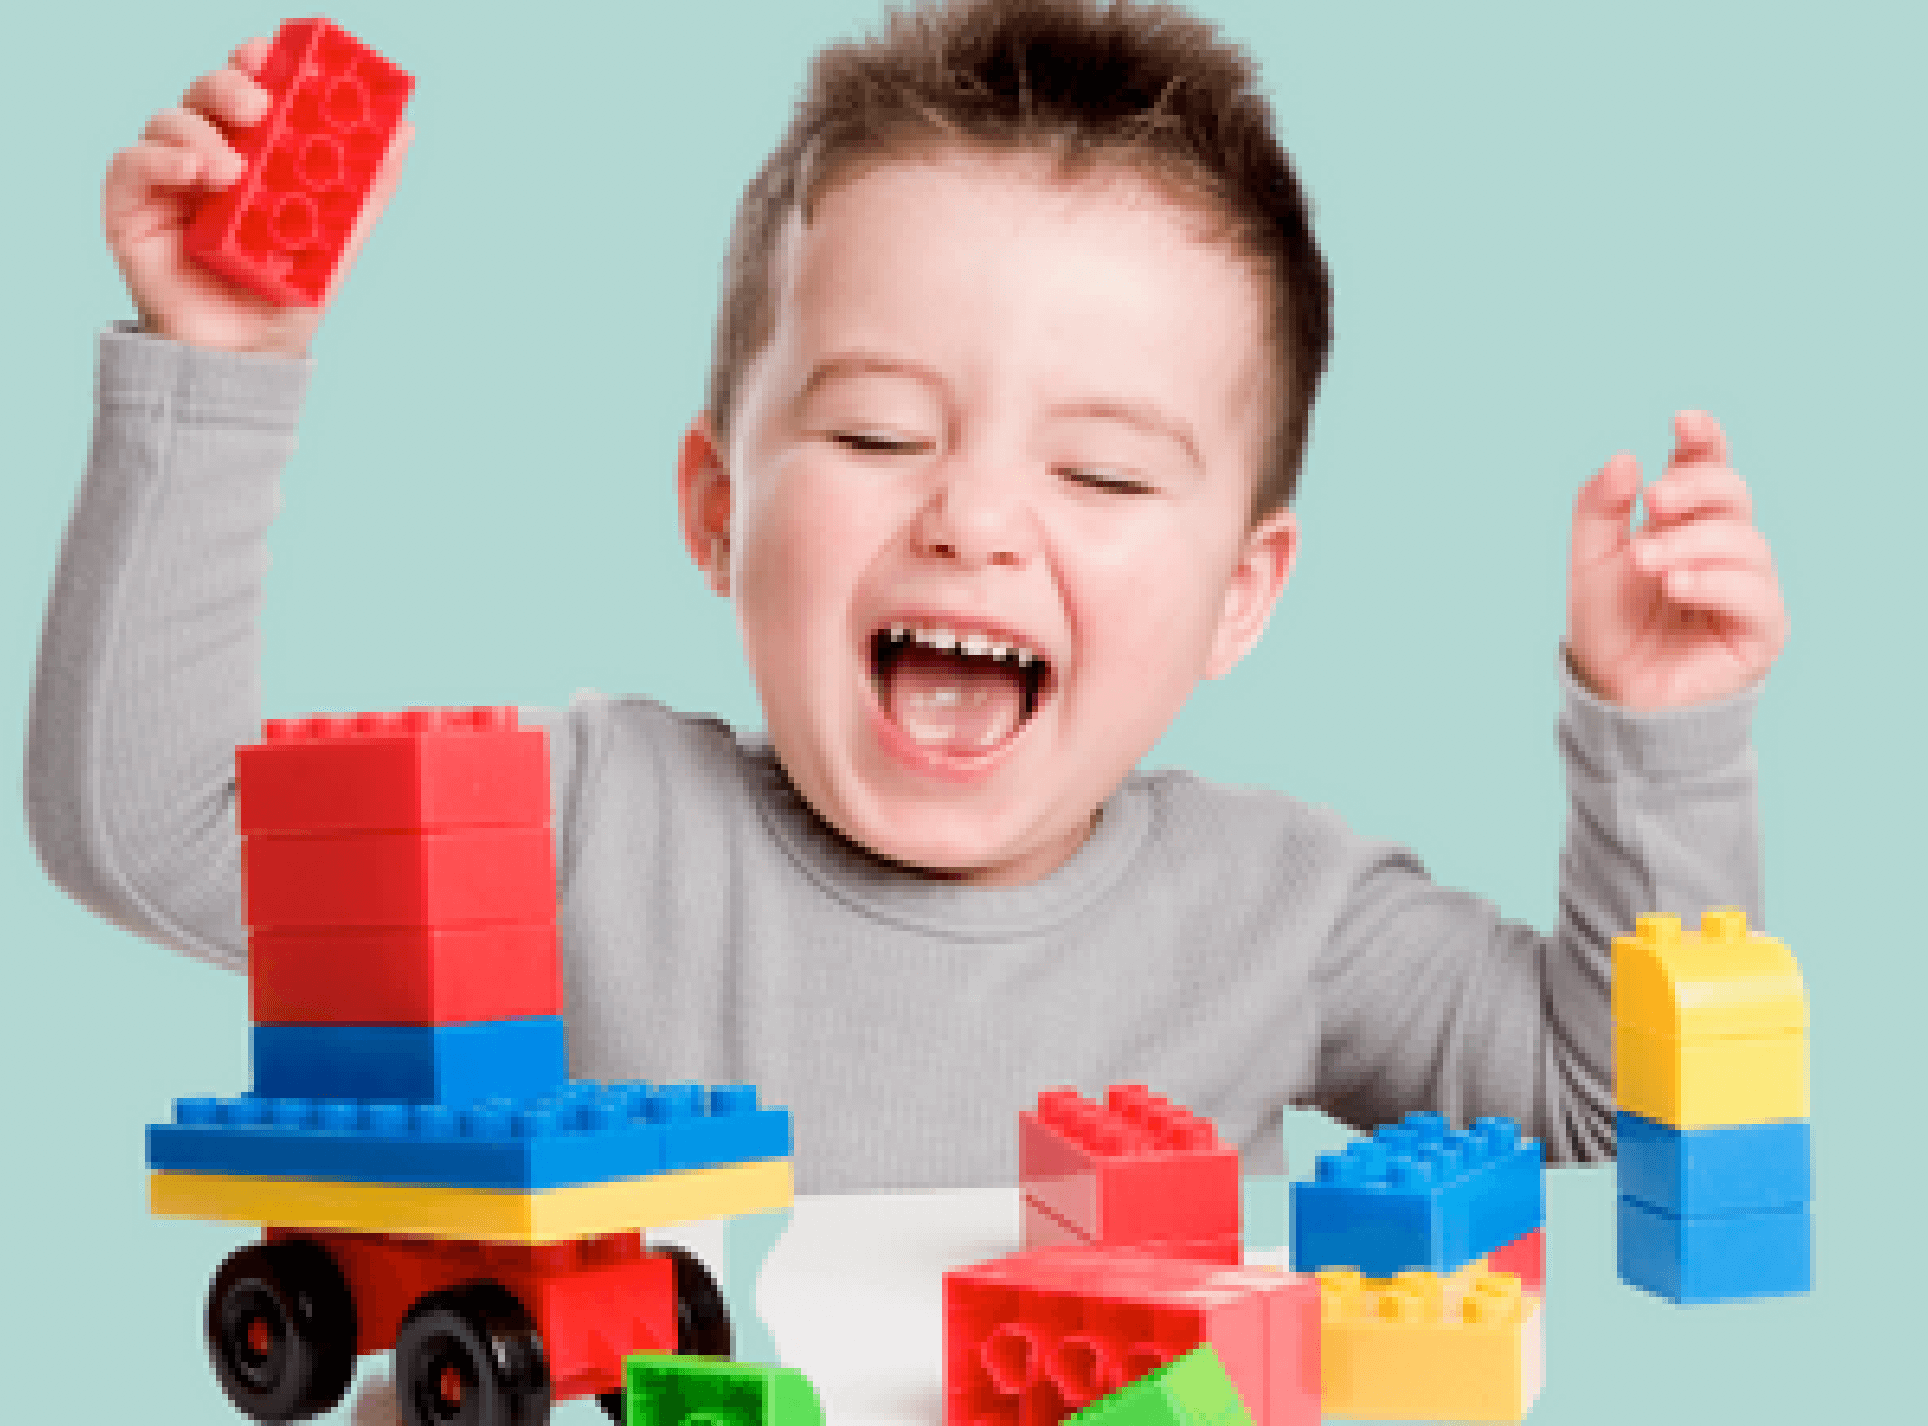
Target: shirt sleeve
{"x":148,"y":672}
{"x":1429,"y":998}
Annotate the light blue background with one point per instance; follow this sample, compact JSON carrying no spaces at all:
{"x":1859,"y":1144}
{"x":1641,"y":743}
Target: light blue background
{"x":1551,"y":226}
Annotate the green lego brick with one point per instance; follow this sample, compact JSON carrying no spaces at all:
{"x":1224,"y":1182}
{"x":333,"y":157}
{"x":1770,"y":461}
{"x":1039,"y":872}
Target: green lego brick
{"x":1192,"y":1390}
{"x":663,"y":1390}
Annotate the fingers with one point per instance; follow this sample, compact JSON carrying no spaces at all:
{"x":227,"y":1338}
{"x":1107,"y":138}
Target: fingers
{"x":205,"y":154}
{"x":1701,"y":544}
{"x":1602,"y":508}
{"x":1698,"y":439}
{"x":228,"y":97}
{"x":249,"y":55}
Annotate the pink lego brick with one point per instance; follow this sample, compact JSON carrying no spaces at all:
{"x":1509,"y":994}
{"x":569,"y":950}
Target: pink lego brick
{"x":281,"y":229}
{"x":1525,"y":1258}
{"x":1136,"y":1169}
{"x":1039,"y":1227}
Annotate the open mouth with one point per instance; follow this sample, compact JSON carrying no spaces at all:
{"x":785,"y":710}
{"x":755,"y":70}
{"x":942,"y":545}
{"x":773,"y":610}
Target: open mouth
{"x":958,"y":694}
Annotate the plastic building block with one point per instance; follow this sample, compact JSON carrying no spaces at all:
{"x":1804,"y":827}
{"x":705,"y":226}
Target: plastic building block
{"x":1730,"y":1169}
{"x":1716,"y":1257}
{"x":282,"y":228}
{"x":1418,"y":1195}
{"x":1709,"y":1027}
{"x":1695,"y":1084}
{"x":405,"y":975}
{"x":1040,"y":1228}
{"x":416,"y":770}
{"x":1132,"y":1171}
{"x":430,"y":1064}
{"x":390,"y":879}
{"x":1421,"y":1347}
{"x":1525,"y":1258}
{"x":437,"y":1211}
{"x":699,"y":1391}
{"x":1037,"y":1336}
{"x":584,"y":1133}
{"x":1192,"y":1391}
{"x":1725,"y":980}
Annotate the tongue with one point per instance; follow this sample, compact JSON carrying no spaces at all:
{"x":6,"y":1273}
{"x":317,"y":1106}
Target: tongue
{"x":957,"y":703}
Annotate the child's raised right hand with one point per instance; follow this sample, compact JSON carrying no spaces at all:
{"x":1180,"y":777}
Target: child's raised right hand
{"x":153,"y":189}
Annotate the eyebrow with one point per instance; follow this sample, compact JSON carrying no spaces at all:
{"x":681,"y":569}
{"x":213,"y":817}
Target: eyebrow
{"x":1136,"y":413}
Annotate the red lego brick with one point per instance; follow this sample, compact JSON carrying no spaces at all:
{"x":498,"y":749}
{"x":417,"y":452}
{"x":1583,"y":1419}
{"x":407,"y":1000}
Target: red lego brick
{"x":418,"y":770}
{"x":1525,"y":1258}
{"x":1041,"y":1228}
{"x":281,"y":229}
{"x":594,"y":1300}
{"x":1034,"y":1337}
{"x":1135,"y":1170}
{"x":404,"y":975}
{"x":399,"y":878}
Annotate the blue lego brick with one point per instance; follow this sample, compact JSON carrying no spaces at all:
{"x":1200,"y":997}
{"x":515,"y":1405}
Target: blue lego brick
{"x":1745,"y":1168}
{"x":584,"y":1133}
{"x":423,"y":1064}
{"x":1718,"y":1257}
{"x":1418,"y":1195}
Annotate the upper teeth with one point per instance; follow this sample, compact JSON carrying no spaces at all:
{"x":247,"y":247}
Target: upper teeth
{"x":937,"y":637}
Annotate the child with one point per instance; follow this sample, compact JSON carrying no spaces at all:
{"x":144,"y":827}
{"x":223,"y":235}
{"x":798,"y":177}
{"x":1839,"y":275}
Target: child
{"x":1012,"y":380}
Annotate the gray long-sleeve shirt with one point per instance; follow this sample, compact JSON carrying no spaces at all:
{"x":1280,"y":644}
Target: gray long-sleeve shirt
{"x":1234,"y":948}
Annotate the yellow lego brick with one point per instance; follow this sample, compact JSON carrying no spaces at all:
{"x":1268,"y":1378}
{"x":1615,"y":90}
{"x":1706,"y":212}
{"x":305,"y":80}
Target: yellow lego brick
{"x":1696,"y":1084}
{"x":488,"y":1215}
{"x":1415,"y":1347}
{"x":1721,"y":981}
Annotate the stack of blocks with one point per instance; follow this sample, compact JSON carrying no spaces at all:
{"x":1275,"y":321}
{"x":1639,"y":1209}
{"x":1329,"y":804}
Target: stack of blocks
{"x":410,"y":1070}
{"x":1711,"y":1087}
{"x":1131,"y":1264}
{"x":1426,"y":1243}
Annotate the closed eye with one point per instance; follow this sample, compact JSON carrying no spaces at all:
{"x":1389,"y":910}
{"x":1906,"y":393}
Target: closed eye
{"x":1101,"y":479}
{"x":863,"y":441}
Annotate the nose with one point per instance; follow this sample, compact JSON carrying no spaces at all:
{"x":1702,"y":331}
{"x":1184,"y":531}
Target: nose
{"x":976,"y":518}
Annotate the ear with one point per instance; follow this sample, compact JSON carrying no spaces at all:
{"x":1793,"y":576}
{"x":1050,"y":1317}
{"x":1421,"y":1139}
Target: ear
{"x":703,"y":502}
{"x":1253,"y":588}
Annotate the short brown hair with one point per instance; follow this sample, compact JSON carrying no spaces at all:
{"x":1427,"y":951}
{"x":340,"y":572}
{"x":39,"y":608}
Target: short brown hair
{"x":1145,"y":86}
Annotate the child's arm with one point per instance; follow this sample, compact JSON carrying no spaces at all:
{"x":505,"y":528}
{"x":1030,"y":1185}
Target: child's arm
{"x":148,"y":669}
{"x":1429,"y":999}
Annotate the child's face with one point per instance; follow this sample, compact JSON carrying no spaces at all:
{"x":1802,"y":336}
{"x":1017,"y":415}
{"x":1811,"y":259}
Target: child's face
{"x":990,"y":407}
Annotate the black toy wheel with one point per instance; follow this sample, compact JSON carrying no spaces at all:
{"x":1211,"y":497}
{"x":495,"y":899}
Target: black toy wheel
{"x":281,"y":1330}
{"x":471,"y":1357}
{"x":702,"y":1318}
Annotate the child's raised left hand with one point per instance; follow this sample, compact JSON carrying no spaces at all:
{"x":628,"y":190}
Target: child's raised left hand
{"x":1686,"y":609}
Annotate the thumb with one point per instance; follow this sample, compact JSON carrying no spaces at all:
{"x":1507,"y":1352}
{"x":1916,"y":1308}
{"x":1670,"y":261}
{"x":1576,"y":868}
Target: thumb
{"x":1603,"y":508}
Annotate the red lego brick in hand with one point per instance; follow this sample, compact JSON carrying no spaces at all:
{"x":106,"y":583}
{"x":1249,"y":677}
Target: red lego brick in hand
{"x":281,"y":229}
{"x":417,"y":770}
{"x":1133,"y":1171}
{"x":404,"y":975}
{"x":399,"y":878}
{"x":1034,"y":1337}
